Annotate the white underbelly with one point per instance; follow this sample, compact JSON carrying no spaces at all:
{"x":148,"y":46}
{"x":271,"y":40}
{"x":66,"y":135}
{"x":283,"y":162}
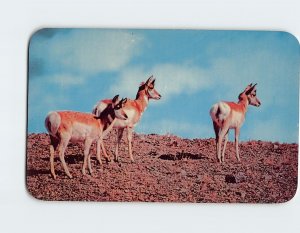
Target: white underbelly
{"x":237,"y":120}
{"x":82,"y":131}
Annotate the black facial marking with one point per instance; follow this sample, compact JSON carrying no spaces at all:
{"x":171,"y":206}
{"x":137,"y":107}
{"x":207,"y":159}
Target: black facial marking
{"x":118,"y":106}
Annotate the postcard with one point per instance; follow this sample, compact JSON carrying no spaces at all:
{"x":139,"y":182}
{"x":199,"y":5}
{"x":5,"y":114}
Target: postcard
{"x":157,"y":115}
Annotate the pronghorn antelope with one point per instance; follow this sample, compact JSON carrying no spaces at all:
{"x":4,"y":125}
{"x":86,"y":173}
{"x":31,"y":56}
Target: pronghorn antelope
{"x":133,"y":109}
{"x":65,"y":126}
{"x":230,"y":115}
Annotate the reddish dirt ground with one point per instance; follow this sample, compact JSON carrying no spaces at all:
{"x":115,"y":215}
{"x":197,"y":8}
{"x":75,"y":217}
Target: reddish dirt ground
{"x":167,"y":169}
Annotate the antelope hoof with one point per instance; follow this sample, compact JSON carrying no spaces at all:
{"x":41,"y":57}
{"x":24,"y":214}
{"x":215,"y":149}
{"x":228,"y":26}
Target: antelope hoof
{"x":108,"y":159}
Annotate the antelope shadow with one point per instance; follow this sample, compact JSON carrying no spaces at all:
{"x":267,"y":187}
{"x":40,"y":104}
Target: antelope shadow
{"x":71,"y":158}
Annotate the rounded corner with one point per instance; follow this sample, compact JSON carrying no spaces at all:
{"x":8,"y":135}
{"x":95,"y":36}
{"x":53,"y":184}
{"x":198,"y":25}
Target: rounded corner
{"x":292,"y":36}
{"x":34,"y":33}
{"x":291,"y":197}
{"x":31,"y":195}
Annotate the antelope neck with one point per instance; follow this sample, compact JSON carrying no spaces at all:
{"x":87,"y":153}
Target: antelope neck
{"x":107,"y":120}
{"x":142,"y":100}
{"x":244,"y":104}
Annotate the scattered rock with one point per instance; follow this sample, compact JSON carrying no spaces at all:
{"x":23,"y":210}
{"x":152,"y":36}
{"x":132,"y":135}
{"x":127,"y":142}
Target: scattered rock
{"x":240,"y":177}
{"x":230,"y":179}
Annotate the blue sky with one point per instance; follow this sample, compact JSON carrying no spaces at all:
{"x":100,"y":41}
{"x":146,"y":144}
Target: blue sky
{"x":71,"y":69}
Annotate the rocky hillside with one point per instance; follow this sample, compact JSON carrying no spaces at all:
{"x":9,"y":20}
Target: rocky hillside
{"x":167,"y":169}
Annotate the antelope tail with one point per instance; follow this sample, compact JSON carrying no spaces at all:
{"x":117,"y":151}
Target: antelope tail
{"x":214,"y":114}
{"x":52,"y":123}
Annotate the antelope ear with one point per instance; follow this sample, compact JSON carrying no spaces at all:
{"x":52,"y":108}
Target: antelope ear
{"x":115,"y":99}
{"x":149,"y":80}
{"x":124,"y":100}
{"x":153,"y":82}
{"x":250,"y":89}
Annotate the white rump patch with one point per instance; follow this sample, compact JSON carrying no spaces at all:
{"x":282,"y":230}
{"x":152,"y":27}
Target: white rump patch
{"x":224,"y":111}
{"x":52,"y":123}
{"x":219,"y":111}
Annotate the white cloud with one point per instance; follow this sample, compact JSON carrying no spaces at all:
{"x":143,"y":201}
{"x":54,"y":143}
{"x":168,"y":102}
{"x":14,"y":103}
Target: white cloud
{"x":88,"y":51}
{"x":177,"y":79}
{"x":128,"y":82}
{"x":172,"y":79}
{"x":66,"y":80}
